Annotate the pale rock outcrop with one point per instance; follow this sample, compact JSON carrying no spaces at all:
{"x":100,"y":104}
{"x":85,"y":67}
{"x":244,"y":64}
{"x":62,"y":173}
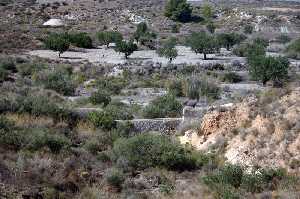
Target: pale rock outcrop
{"x":253,"y":133}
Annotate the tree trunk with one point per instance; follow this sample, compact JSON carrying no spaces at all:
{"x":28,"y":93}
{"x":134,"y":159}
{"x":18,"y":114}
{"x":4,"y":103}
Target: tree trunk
{"x":59,"y":53}
{"x":170,"y":60}
{"x":204,"y":54}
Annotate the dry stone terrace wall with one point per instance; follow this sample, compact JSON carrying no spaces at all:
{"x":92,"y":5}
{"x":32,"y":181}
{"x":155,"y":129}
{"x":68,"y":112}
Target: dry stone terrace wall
{"x":162,"y":125}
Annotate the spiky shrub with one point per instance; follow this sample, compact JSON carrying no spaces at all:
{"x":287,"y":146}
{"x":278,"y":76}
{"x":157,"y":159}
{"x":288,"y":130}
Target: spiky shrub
{"x":115,"y":177}
{"x":165,"y":106}
{"x":201,"y":86}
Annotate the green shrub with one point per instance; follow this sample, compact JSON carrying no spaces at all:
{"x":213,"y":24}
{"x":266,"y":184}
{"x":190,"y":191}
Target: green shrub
{"x":100,"y":142}
{"x":102,"y":120}
{"x":175,"y":87}
{"x":249,"y":49}
{"x":107,"y":37}
{"x":119,"y":111}
{"x":4,"y":75}
{"x":57,"y":80}
{"x":283,"y":38}
{"x":248,"y":29}
{"x":81,"y":40}
{"x":233,"y":178}
{"x":293,"y":50}
{"x":8,"y":64}
{"x":10,"y":136}
{"x":264,"y":68}
{"x":148,"y":150}
{"x":211,"y":27}
{"x":99,"y":97}
{"x":178,"y":10}
{"x":40,"y":138}
{"x":115,"y":177}
{"x":202,"y":87}
{"x":165,"y":106}
{"x":231,"y":77}
{"x":28,"y":69}
{"x":112,"y":85}
{"x":56,"y":143}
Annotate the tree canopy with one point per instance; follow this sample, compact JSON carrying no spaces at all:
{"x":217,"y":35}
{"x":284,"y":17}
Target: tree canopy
{"x":202,"y":42}
{"x":107,"y":37}
{"x":126,"y":47}
{"x":178,"y":10}
{"x":168,"y":49}
{"x":57,"y":42}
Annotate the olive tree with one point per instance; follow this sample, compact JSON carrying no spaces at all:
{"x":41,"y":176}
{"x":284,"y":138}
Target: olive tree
{"x":57,"y":42}
{"x":228,"y":40}
{"x":168,"y":49}
{"x":203,"y":43}
{"x":126,"y":47}
{"x":178,"y":10}
{"x":144,"y":35}
{"x":107,"y":37}
{"x":264,"y":68}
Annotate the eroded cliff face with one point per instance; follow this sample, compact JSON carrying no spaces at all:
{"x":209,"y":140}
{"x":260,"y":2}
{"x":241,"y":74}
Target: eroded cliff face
{"x":255,"y":132}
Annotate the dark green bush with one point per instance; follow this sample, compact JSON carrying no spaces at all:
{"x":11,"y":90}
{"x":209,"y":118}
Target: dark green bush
{"x":283,"y":38}
{"x":112,"y":85}
{"x":107,"y":37}
{"x":40,"y":138}
{"x":28,"y":69}
{"x":81,"y":40}
{"x":4,"y":75}
{"x":56,"y":143}
{"x":100,"y":97}
{"x":8,"y":64}
{"x":115,"y":177}
{"x":9,"y":136}
{"x":102,"y":120}
{"x":165,"y":106}
{"x":57,"y":42}
{"x":178,"y":10}
{"x":148,"y":150}
{"x":58,"y":80}
{"x":248,"y":29}
{"x":233,"y":178}
{"x":119,"y":111}
{"x":231,"y":77}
